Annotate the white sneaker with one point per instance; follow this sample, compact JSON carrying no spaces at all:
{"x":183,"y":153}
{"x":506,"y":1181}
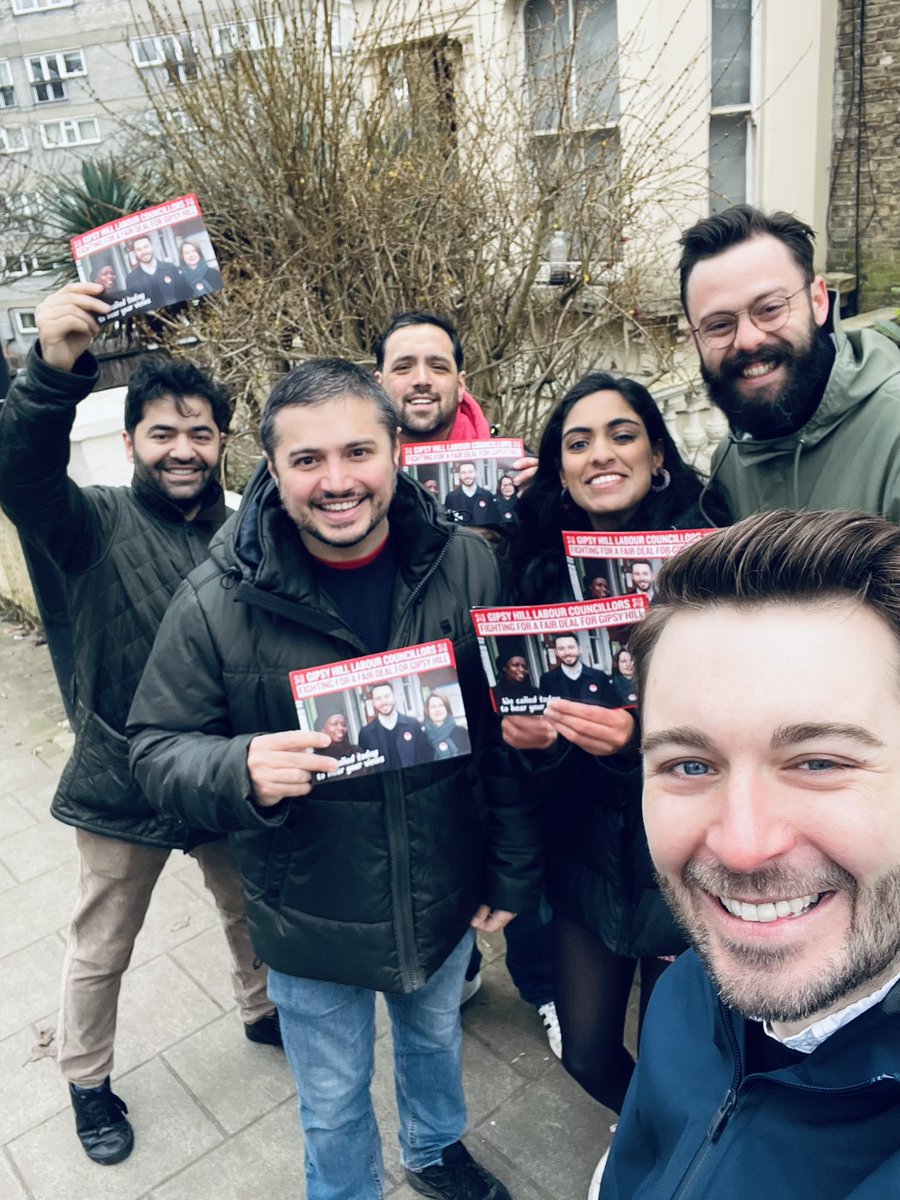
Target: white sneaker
{"x":597,"y":1177}
{"x":469,"y":988}
{"x":547,"y":1013}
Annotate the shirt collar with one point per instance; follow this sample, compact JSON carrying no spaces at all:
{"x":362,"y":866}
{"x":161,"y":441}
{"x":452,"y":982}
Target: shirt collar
{"x":814,"y":1035}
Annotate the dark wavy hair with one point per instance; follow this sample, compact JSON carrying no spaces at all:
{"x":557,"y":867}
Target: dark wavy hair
{"x":155,"y":378}
{"x":538,"y":560}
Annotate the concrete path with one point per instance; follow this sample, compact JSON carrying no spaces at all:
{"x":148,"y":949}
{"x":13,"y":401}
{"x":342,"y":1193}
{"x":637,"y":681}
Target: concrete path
{"x":214,"y":1115}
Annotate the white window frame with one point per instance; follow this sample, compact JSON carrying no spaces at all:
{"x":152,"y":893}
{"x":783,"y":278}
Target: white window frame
{"x":176,"y":52}
{"x":21,"y":8}
{"x":24,"y":321}
{"x":585,"y":125}
{"x":5,"y":131}
{"x":67,"y":125}
{"x":263,"y":34}
{"x":747,"y":109}
{"x":7,"y":85}
{"x":581,"y":133}
{"x":54,"y":71}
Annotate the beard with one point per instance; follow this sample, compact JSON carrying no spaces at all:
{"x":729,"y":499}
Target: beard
{"x":417,"y":424}
{"x":304,"y":517}
{"x":152,"y":478}
{"x":758,"y":979}
{"x":773,"y":412}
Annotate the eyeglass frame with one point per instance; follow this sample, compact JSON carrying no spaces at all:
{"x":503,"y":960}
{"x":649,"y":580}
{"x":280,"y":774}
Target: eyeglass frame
{"x":736,"y":316}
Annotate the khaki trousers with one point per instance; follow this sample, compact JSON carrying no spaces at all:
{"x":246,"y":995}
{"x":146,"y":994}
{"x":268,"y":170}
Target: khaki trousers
{"x":116,"y":880}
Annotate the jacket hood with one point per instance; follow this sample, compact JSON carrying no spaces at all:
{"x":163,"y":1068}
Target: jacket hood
{"x":470,"y":423}
{"x":262,"y":545}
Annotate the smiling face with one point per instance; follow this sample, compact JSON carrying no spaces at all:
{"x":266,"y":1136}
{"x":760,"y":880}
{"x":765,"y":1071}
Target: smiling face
{"x":422,"y":380}
{"x":467,"y":474}
{"x":336,"y":727}
{"x":568,"y":652}
{"x":383,"y":699}
{"x":507,"y":487}
{"x":106,"y":277}
{"x":436,"y":710}
{"x":607,"y":458}
{"x":642,"y":576}
{"x":772,"y":801}
{"x":765,"y":383}
{"x":173,"y":454}
{"x":336,"y":472}
{"x":516,"y":669}
{"x":143,"y":250}
{"x":190,"y":254}
{"x":598,"y":588}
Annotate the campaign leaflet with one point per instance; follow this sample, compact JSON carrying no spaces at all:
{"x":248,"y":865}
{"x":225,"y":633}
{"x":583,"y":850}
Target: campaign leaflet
{"x":385,"y":711}
{"x":473,"y":480}
{"x":602,"y":565}
{"x":533,"y":652}
{"x":149,"y":259}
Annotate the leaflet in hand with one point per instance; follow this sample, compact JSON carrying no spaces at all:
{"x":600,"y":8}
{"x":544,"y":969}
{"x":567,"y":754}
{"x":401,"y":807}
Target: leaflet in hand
{"x":533,"y":652}
{"x":149,"y":259}
{"x":386,"y":711}
{"x":473,"y":480}
{"x":602,"y":565}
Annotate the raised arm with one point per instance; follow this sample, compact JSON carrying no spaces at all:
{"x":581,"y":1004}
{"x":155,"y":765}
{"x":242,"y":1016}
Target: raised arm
{"x":36,"y":425}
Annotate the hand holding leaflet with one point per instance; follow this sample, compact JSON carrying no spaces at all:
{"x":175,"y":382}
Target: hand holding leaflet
{"x":281,"y":765}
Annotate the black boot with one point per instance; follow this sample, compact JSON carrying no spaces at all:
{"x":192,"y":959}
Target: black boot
{"x":266,"y":1031}
{"x":106,"y":1134}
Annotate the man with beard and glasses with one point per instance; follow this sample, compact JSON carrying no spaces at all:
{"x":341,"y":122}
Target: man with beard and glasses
{"x":121,"y":553}
{"x":769,"y":677}
{"x":354,"y":885}
{"x":814,"y":411}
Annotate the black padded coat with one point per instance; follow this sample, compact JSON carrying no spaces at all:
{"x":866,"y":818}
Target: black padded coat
{"x":369,"y":881}
{"x":122,"y":553}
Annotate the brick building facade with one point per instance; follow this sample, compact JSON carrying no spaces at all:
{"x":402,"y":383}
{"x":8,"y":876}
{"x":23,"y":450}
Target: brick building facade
{"x":864,"y":208}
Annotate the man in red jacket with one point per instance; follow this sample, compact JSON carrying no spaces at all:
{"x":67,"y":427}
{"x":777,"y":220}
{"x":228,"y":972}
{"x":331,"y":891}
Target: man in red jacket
{"x":419,"y":363}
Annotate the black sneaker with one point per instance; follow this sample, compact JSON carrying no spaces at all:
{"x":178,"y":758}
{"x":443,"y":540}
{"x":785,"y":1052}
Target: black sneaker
{"x":458,"y":1177}
{"x":266,"y":1031}
{"x":106,"y":1134}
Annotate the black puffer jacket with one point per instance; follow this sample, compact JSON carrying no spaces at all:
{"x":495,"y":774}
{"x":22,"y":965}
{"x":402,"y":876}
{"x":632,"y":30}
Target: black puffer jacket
{"x":122,"y":554}
{"x":372,"y":881}
{"x":599,"y":870}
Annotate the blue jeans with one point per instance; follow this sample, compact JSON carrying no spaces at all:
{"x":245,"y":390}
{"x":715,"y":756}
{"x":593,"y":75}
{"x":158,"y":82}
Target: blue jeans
{"x":329,"y":1038}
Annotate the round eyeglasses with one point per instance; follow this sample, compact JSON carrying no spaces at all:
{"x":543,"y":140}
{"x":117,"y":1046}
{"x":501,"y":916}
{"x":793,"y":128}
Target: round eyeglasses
{"x":768,"y":314}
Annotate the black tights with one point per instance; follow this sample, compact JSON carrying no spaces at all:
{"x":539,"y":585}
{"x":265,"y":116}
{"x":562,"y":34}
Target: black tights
{"x":591,"y":986}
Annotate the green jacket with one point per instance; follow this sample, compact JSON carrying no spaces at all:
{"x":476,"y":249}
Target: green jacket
{"x":847,"y":455}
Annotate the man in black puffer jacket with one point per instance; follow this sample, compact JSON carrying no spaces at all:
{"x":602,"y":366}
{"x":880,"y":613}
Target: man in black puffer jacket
{"x":359,"y":885}
{"x":122,"y":552}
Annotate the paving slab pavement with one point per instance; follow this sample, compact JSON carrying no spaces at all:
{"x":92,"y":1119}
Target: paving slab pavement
{"x":214,"y":1115}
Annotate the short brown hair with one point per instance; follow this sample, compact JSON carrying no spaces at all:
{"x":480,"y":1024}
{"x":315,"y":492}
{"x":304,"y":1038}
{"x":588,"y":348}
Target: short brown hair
{"x":785,"y":557}
{"x":713,"y":235}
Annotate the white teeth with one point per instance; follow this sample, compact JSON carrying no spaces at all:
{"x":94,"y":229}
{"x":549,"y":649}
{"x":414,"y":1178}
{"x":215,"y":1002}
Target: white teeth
{"x":758,"y":369}
{"x":604,"y":479}
{"x":343,"y":506}
{"x":769,"y":911}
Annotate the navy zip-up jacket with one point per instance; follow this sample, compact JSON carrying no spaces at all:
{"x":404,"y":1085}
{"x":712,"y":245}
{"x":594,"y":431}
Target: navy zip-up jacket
{"x":696,"y":1127}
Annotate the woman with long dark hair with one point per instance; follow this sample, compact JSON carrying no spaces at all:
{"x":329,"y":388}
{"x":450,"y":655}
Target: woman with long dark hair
{"x":606,"y":462}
